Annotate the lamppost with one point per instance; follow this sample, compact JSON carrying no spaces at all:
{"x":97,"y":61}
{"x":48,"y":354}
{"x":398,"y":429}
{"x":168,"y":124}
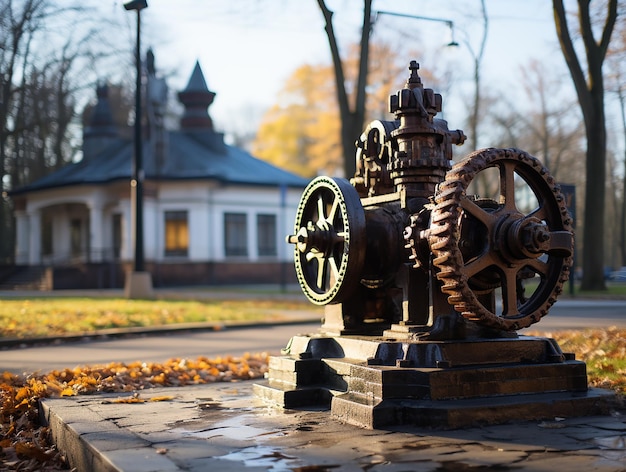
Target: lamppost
{"x":138,"y":282}
{"x":450,"y":24}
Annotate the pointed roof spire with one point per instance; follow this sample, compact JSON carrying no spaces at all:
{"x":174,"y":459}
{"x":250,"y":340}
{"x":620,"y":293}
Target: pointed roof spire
{"x":196,"y":81}
{"x":196,"y":98}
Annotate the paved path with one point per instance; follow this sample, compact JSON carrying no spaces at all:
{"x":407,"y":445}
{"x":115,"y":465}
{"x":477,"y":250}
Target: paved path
{"x":153,"y":348}
{"x":223,"y":427}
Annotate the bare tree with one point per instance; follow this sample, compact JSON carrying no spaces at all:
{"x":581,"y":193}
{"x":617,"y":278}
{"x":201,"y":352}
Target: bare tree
{"x":549,"y":127}
{"x":15,"y":39}
{"x":590,"y":91}
{"x":44,"y":65}
{"x":477,"y":56}
{"x":482,"y":185}
{"x":352,"y":117}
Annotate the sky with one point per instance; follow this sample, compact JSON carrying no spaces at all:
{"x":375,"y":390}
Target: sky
{"x":248,"y":48}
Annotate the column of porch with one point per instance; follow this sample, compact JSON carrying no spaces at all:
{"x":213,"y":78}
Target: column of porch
{"x":22,"y":241}
{"x":34,"y":237}
{"x":96,"y":232}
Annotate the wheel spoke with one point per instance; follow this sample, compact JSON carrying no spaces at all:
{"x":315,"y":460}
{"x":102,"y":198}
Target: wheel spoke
{"x":539,"y":213}
{"x":507,"y":185}
{"x":333,"y":210}
{"x":321,"y":272}
{"x":320,"y":209}
{"x":509,"y":293}
{"x":540,"y":267}
{"x":478,"y":265}
{"x":486,"y":218}
{"x":334,"y":270}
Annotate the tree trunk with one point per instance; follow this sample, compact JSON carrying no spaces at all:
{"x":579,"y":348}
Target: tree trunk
{"x":593,"y":225}
{"x":590,"y":92}
{"x":622,"y":227}
{"x":352,"y":120}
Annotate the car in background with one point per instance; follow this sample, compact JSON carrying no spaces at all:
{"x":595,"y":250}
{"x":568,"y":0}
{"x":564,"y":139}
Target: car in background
{"x":618,"y":275}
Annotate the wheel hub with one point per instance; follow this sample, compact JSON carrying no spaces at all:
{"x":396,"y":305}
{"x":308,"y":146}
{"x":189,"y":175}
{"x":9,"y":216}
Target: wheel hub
{"x":316,"y":238}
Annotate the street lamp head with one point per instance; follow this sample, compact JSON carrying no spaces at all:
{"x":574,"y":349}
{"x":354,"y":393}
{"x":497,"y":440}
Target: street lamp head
{"x":136,"y":5}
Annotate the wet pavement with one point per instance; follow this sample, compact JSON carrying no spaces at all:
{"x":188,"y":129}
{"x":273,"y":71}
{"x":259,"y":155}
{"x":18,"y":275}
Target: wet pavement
{"x":224,"y":427}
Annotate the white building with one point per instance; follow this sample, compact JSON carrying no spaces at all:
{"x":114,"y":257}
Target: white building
{"x":213,"y":214}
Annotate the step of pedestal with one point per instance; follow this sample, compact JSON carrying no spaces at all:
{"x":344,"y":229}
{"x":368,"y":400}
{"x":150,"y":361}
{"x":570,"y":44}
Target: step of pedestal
{"x":366,"y":412}
{"x":286,"y":396}
{"x":467,"y":382}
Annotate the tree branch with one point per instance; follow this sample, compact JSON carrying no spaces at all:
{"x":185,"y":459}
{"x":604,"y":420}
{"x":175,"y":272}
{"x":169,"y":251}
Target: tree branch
{"x":360,"y":103}
{"x":565,"y":40}
{"x":611,"y":18}
{"x":340,"y":80}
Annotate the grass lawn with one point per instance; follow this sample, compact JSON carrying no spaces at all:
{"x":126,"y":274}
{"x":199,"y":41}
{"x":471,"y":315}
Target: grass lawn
{"x":55,"y":316}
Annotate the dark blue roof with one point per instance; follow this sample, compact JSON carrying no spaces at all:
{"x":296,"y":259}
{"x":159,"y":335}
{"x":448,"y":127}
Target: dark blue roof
{"x":190,"y":155}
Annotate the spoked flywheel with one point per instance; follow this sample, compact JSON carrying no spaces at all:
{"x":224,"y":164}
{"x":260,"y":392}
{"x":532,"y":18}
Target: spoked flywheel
{"x":518,"y":244}
{"x":330,"y":240}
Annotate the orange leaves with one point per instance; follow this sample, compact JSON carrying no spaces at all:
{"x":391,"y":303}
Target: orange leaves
{"x":22,"y":394}
{"x":24,"y":443}
{"x":604,"y":352}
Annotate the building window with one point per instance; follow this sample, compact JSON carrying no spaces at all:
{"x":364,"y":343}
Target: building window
{"x":266,"y":235}
{"x":235,"y":234}
{"x":176,"y":233}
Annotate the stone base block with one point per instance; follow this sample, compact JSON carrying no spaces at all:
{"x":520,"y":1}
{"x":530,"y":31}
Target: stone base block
{"x":373,"y":382}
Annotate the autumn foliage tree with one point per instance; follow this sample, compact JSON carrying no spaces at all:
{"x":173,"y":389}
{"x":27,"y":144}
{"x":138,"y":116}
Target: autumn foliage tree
{"x":302,"y":132}
{"x":294,"y":132}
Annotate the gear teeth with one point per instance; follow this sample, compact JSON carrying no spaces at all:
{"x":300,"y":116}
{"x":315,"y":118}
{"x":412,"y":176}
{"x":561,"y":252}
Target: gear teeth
{"x":444,"y":235}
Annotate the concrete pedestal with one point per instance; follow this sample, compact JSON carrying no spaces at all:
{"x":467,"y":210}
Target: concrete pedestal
{"x":374,"y":382}
{"x":138,"y":285}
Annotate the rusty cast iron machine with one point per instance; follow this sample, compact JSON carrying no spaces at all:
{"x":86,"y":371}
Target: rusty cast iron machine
{"x":427,"y":270}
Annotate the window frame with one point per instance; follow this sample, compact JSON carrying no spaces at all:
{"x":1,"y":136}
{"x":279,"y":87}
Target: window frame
{"x":178,"y":221}
{"x":267,"y":245}
{"x":235,"y":234}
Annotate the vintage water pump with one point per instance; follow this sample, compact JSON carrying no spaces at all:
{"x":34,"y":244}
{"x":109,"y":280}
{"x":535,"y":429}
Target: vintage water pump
{"x":383,"y":250}
{"x":425,"y":281}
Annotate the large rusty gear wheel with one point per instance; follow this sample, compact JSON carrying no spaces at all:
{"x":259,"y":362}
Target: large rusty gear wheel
{"x":329,"y":240}
{"x":472,"y":243}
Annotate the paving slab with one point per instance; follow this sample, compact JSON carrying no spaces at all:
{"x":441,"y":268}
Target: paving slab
{"x":225,"y":427}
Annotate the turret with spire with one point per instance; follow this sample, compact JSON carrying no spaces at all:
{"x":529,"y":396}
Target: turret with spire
{"x":196,"y":98}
